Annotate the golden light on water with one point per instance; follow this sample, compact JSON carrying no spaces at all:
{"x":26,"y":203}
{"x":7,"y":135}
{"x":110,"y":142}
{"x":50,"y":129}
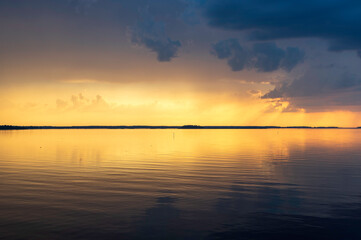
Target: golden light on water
{"x":133,"y":173}
{"x":125,"y":146}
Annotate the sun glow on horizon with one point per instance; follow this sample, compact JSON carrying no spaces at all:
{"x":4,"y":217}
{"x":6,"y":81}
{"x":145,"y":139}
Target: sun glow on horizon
{"x":90,"y":102}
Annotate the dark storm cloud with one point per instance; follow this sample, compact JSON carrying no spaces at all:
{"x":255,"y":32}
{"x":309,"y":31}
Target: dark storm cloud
{"x":231,"y":50}
{"x":321,"y":88}
{"x":337,"y":21}
{"x":191,"y":14}
{"x":88,"y":39}
{"x":319,"y":81}
{"x":263,"y":57}
{"x":83,"y":3}
{"x":82,"y":6}
{"x":152,"y":35}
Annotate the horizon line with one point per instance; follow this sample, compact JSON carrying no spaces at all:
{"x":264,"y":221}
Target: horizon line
{"x":18,"y":127}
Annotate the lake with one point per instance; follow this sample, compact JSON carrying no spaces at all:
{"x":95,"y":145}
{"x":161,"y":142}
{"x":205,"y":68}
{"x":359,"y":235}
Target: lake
{"x":180,"y":184}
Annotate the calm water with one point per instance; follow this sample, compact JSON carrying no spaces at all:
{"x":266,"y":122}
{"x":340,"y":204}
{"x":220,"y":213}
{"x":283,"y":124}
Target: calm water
{"x":180,"y":184}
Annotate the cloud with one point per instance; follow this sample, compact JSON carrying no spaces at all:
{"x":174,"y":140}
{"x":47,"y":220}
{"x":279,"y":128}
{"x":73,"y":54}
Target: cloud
{"x":277,"y":105}
{"x":152,"y":35}
{"x":80,"y":81}
{"x":87,"y":3}
{"x":61,"y":104}
{"x":263,"y":57}
{"x":320,"y":88}
{"x":83,"y":103}
{"x":314,"y":83}
{"x":254,"y":92}
{"x":232,"y":51}
{"x":339,"y":22}
{"x":317,"y":87}
{"x":191,"y":14}
{"x":82,"y":6}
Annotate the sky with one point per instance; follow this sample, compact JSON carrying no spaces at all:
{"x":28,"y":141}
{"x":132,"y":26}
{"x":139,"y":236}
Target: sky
{"x":177,"y":62}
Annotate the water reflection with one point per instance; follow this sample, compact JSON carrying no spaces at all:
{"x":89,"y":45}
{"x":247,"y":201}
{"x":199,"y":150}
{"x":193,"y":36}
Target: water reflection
{"x":180,"y":184}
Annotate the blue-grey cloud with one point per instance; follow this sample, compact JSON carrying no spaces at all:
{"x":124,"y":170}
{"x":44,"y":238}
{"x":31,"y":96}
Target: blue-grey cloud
{"x":151,"y":34}
{"x":337,"y":21}
{"x":231,"y":50}
{"x":82,"y":6}
{"x":316,"y":82}
{"x":191,"y":14}
{"x":263,"y":57}
{"x":320,"y":89}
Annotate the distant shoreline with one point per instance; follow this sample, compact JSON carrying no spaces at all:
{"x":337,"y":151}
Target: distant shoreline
{"x":11,"y":127}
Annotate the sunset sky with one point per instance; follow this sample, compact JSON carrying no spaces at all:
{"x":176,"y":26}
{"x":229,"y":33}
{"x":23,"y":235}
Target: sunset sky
{"x":176,"y":62}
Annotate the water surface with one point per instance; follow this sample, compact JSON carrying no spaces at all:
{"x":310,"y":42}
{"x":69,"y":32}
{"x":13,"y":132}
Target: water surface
{"x":180,"y":184}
